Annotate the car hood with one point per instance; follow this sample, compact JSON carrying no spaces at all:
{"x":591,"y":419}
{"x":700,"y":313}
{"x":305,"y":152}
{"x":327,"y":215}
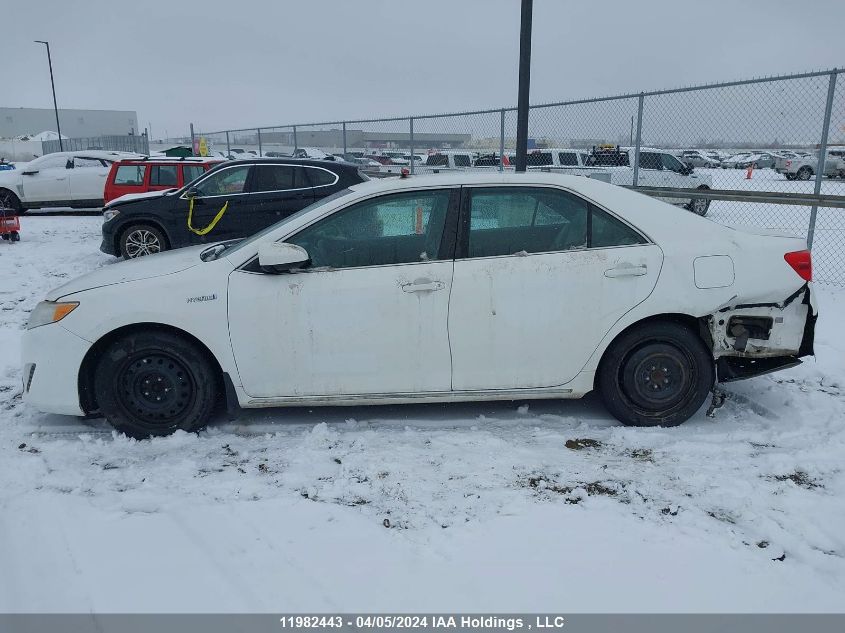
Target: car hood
{"x":158,"y":265}
{"x":131,"y":197}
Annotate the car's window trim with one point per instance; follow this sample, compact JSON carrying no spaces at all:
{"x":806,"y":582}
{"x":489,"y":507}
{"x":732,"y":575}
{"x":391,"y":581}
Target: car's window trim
{"x":462,"y":245}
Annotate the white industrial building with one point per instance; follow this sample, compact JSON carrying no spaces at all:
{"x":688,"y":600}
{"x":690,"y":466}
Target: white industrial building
{"x":74,"y":123}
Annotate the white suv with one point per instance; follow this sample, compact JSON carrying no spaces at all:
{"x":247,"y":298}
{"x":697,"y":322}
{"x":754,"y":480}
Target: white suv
{"x":62,"y":179}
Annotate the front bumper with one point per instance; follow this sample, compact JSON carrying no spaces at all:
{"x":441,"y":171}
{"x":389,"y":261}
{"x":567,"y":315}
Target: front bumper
{"x":51,"y":357}
{"x":108,"y":244}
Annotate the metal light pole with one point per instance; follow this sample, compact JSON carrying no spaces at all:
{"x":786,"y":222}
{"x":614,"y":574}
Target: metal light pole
{"x":524,"y":81}
{"x":53,"y":84}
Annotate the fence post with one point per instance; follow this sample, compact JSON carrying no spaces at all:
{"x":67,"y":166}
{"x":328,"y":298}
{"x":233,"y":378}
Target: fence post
{"x":344,"y":139}
{"x":295,"y":144}
{"x":228,"y":147}
{"x":192,"y":139}
{"x":639,"y":140}
{"x":411,"y":121}
{"x":502,"y":142}
{"x":259,"y":141}
{"x":831,"y":89}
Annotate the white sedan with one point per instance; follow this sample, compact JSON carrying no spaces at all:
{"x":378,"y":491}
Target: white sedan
{"x":61,"y":179}
{"x":430,"y":289}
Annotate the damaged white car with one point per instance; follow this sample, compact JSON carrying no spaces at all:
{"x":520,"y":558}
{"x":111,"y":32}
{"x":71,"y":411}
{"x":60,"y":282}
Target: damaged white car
{"x":471,"y":286}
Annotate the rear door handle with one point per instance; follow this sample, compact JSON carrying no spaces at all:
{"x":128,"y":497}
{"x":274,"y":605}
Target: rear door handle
{"x":423,"y":285}
{"x":627,"y":270}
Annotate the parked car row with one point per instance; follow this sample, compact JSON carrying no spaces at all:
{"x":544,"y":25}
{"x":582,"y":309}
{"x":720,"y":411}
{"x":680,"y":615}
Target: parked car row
{"x":230,"y":200}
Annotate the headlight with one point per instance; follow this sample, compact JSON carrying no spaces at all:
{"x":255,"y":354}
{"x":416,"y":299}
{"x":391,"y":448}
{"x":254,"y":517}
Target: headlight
{"x":50,"y":312}
{"x":110,"y":214}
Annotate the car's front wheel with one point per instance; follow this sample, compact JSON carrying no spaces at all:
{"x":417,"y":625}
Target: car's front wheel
{"x":155,"y":383}
{"x":656,"y":374}
{"x":141,"y":239}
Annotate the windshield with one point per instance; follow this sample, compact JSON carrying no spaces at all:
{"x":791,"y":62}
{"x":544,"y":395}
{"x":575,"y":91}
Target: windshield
{"x":229,"y":248}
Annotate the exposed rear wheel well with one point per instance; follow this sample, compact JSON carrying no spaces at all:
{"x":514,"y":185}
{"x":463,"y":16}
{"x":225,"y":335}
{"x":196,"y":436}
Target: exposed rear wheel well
{"x":87,"y":398}
{"x":696,"y":324}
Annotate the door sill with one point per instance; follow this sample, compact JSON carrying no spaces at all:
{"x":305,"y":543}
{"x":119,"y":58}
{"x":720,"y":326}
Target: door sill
{"x":405,"y":398}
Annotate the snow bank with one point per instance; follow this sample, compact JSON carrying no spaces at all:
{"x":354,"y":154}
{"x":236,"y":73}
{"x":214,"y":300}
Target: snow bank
{"x":469,"y":507}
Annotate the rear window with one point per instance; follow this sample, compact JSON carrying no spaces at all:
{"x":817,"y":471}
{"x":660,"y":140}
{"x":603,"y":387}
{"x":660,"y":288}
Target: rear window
{"x":130,"y":175}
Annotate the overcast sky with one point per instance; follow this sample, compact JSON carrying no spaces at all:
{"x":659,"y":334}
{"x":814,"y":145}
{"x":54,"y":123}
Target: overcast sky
{"x":226,"y":63}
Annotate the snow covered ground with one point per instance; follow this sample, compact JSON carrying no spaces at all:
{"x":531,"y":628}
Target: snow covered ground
{"x":476,"y":507}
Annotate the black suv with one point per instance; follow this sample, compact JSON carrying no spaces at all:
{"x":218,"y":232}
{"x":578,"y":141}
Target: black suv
{"x":235,"y":199}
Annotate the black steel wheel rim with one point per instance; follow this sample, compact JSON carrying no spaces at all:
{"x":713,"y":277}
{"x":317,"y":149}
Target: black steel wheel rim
{"x":658,"y":377}
{"x":156,"y":388}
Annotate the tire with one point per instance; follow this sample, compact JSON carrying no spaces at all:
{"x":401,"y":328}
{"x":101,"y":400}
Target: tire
{"x":805,"y":173}
{"x":656,"y":374}
{"x":9,"y":200}
{"x":699,"y":206}
{"x":139,"y":240}
{"x":155,"y":383}
{"x":790,"y":176}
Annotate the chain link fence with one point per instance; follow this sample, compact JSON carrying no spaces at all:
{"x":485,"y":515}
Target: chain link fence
{"x":766,"y":153}
{"x":114,"y":143}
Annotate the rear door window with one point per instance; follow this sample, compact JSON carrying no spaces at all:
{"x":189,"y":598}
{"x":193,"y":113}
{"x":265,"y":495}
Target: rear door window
{"x":567,"y":158}
{"x":273,"y":178}
{"x":509,"y":220}
{"x":130,"y":175}
{"x":462,"y":160}
{"x":163,"y":176}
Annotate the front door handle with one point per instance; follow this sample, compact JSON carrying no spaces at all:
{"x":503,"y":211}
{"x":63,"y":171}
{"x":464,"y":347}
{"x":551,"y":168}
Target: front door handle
{"x":423,"y":285}
{"x":627,"y":270}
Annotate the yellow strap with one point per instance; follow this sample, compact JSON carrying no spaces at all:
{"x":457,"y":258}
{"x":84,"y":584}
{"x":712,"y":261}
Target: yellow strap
{"x":213,"y":222}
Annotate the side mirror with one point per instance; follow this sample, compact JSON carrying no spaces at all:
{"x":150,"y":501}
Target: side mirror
{"x":279,"y":257}
{"x":29,"y":173}
{"x":69,"y":164}
{"x":192,"y":192}
{"x":687,"y":169}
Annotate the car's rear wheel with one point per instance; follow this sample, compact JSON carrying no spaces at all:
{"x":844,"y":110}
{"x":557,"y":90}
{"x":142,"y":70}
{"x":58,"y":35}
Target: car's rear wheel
{"x":790,"y":176}
{"x":155,"y":383}
{"x":140,"y":240}
{"x":8,"y":200}
{"x":656,"y":374}
{"x":805,"y":173}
